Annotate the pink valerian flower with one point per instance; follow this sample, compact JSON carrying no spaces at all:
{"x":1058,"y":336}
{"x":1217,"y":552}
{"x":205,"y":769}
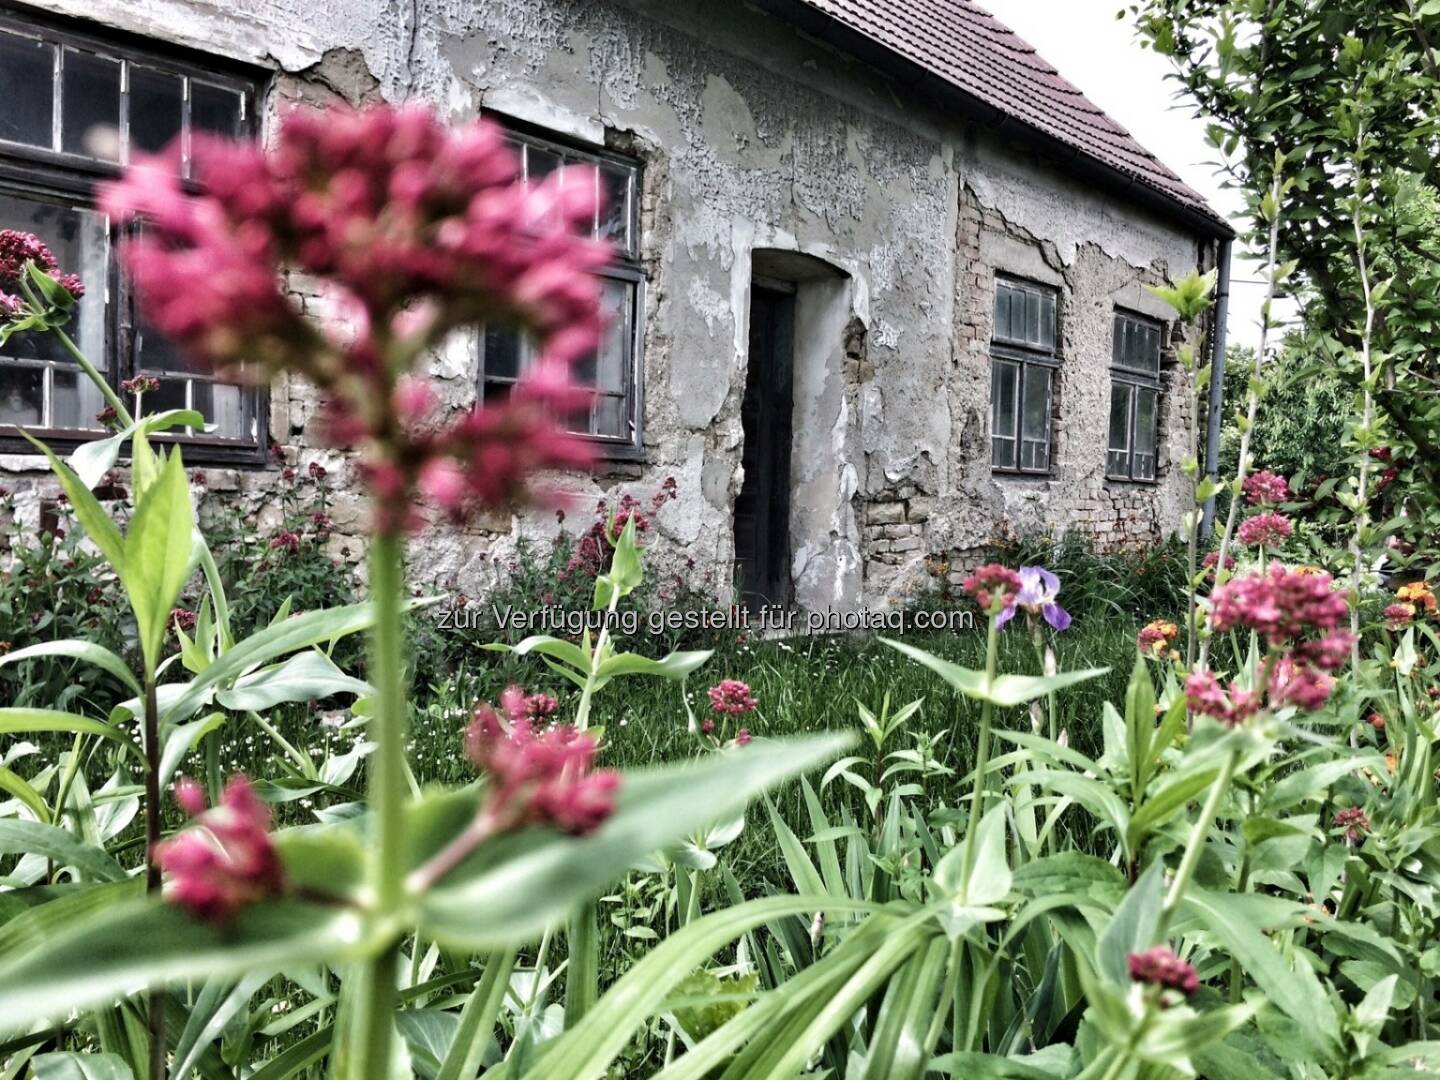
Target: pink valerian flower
{"x":1266,"y":488}
{"x":225,"y":861}
{"x":317,"y":471}
{"x":183,"y":618}
{"x":18,"y":248}
{"x":286,"y":541}
{"x":732,"y":696}
{"x":416,"y":228}
{"x":544,"y":779}
{"x":1281,"y":605}
{"x":1399,"y":615}
{"x":1161,"y":967}
{"x":994,"y":587}
{"x":1204,"y":695}
{"x":742,"y":737}
{"x":140,"y":384}
{"x":1354,"y":821}
{"x":1296,"y":681}
{"x":1268,"y":530}
{"x":1038,"y":589}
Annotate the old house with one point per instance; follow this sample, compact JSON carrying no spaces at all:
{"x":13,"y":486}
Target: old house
{"x":878,"y":291}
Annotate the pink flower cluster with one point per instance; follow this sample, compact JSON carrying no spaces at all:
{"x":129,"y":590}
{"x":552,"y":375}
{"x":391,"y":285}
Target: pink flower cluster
{"x":994,"y":587}
{"x":1281,"y":605}
{"x":18,"y":248}
{"x":538,"y":778}
{"x":1161,"y":967}
{"x":732,"y":696}
{"x":1266,"y":487}
{"x":1205,"y":696}
{"x":226,"y":860}
{"x":415,"y":228}
{"x":1354,"y":821}
{"x":1296,"y":614}
{"x":591,"y":556}
{"x":1265,"y":530}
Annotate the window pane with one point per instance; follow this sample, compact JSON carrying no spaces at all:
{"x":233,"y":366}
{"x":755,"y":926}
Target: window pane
{"x":222,"y":405}
{"x":27,"y":79}
{"x":1047,"y":321}
{"x":90,"y":103}
{"x":171,"y":395}
{"x":154,"y":352}
{"x":502,"y":353}
{"x":1003,"y":295}
{"x":157,"y":102}
{"x":1137,"y":345}
{"x":1117,"y":462}
{"x":74,"y":400}
{"x":214,"y":109}
{"x":77,"y":237}
{"x":1035,"y":419}
{"x":615,"y":194}
{"x":540,"y":163}
{"x":22,"y":395}
{"x":1036,"y":423}
{"x":1146,"y":417}
{"x":609,"y":367}
{"x":1003,"y":418}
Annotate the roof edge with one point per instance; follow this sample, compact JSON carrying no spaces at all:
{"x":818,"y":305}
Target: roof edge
{"x":1075,"y":160}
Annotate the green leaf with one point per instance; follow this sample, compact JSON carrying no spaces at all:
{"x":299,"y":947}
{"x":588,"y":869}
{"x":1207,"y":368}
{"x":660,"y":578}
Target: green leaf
{"x":149,"y":941}
{"x":626,"y":572}
{"x":19,"y":837}
{"x":20,"y":788}
{"x":1171,"y":796}
{"x":80,"y":1067}
{"x":515,"y":887}
{"x":26,"y":721}
{"x":477,"y":1020}
{"x":157,"y":554}
{"x":586,"y":1050}
{"x":1173,"y":1036}
{"x":556,"y":648}
{"x":1291,"y":986}
{"x":1132,"y":929}
{"x":305,"y":676}
{"x":88,"y":651}
{"x":675,"y":666}
{"x":92,"y":516}
{"x":1004,"y":690}
{"x":92,"y":460}
{"x":301,"y":632}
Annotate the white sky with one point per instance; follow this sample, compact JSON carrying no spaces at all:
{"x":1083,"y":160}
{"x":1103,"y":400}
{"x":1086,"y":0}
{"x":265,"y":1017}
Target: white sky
{"x":1102,"y":56}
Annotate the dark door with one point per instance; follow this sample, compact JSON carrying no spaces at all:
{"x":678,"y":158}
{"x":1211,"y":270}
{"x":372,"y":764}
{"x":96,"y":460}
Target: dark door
{"x":762,"y":509}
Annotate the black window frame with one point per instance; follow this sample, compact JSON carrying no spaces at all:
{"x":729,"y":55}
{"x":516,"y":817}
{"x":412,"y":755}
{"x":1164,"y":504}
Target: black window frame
{"x":1134,"y":381}
{"x":1030,"y":358}
{"x":55,"y":175}
{"x":627,"y":268}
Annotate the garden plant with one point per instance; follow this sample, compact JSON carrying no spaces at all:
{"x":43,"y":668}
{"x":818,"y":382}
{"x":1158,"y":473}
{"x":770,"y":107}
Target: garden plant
{"x":1206,"y":848}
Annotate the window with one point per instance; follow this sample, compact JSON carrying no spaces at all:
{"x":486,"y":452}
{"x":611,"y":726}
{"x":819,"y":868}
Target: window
{"x":1134,"y":399}
{"x":1023,"y":362}
{"x":614,"y":372}
{"x":73,"y":109}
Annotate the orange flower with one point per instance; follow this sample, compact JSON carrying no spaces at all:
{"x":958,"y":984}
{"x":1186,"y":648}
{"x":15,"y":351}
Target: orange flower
{"x":1418,"y":593}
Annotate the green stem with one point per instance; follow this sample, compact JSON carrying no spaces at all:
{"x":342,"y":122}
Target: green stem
{"x":1196,"y":844}
{"x":153,"y":825}
{"x":982,"y":756}
{"x":101,"y":383}
{"x":371,"y":1031}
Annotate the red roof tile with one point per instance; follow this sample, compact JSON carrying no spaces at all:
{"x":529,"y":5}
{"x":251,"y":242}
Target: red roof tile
{"x":968,"y":47}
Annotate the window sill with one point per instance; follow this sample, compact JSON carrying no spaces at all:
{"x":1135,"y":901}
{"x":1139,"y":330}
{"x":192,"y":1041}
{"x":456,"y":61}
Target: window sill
{"x":1132,"y":482}
{"x":196,"y":450}
{"x":1022,"y":474}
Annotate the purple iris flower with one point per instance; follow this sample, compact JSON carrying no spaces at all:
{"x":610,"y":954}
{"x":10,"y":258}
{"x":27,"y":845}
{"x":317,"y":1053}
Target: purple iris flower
{"x":1038,"y":589}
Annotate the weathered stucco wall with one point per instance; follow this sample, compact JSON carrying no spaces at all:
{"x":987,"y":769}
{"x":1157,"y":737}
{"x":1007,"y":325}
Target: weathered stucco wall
{"x":756,"y":139}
